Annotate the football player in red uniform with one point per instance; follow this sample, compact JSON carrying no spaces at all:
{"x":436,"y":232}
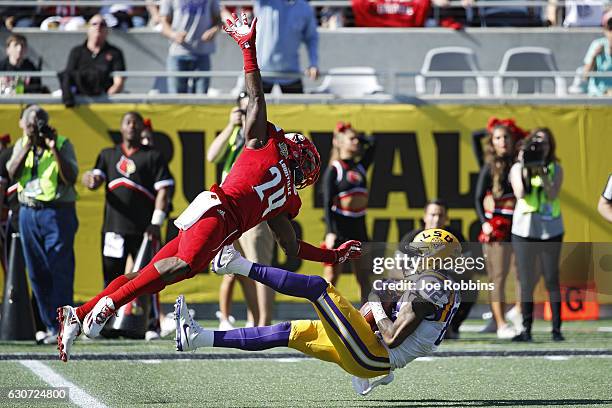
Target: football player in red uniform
{"x":262,"y":186}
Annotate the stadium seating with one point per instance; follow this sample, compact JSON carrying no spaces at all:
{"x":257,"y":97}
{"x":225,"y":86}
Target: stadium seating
{"x":450,"y":59}
{"x":352,"y":82}
{"x":527,"y":59}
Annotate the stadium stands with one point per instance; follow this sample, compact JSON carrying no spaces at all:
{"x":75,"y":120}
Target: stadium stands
{"x":396,"y":55}
{"x":527,"y":59}
{"x":350,"y":82}
{"x":450,"y":59}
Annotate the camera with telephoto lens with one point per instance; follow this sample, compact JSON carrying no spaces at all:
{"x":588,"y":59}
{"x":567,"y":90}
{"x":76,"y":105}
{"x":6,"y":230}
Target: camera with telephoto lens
{"x":44,"y":130}
{"x":534,"y":154}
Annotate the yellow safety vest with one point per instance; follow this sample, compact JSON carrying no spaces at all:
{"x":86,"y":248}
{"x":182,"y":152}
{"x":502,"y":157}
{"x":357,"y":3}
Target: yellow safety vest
{"x":47,"y":172}
{"x":537,"y":201}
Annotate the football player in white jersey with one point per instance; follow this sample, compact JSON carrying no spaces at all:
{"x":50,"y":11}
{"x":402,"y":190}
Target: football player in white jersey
{"x":424,"y":311}
{"x":342,"y":335}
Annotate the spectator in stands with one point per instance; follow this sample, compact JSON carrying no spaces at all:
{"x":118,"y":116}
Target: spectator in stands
{"x":257,"y":244}
{"x":387,"y":13}
{"x":494,"y":203}
{"x":16,"y":60}
{"x":155,"y":20}
{"x":191,"y":26}
{"x":537,"y":224}
{"x":278,"y":44}
{"x":91,"y":64}
{"x":578,"y":13}
{"x":345,"y":199}
{"x":45,"y":166}
{"x":599,"y":59}
{"x":436,"y":216}
{"x":605,"y":201}
{"x":137,"y":182}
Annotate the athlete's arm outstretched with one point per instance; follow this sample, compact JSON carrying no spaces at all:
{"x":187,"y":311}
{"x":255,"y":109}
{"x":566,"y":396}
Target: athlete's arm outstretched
{"x":256,"y":132}
{"x":285,"y":237}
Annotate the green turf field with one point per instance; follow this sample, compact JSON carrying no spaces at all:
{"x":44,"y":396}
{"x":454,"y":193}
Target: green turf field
{"x":152,"y":377}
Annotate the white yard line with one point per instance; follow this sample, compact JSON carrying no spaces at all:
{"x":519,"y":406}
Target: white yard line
{"x":604,"y":329}
{"x":77,"y":395}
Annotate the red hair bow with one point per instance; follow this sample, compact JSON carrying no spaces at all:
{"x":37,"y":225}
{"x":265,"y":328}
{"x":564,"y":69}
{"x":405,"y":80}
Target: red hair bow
{"x":148,"y":124}
{"x":509,"y":123}
{"x":342,"y":127}
{"x":5,"y":138}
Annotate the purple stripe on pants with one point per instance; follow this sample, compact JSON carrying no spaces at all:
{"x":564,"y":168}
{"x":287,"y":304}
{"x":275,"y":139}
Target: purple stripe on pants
{"x":289,"y":283}
{"x":254,"y":338}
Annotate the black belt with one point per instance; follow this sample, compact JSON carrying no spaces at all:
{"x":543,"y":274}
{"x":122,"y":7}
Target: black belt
{"x":39,"y":205}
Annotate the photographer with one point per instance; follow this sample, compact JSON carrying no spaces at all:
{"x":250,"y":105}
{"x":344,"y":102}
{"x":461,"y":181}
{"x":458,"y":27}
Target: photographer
{"x":537,"y":225}
{"x":44,"y":165}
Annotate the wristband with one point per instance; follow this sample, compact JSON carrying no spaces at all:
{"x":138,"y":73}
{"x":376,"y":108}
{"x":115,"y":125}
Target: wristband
{"x":158,"y":217}
{"x":312,"y":253}
{"x":378,"y":311}
{"x":249,"y":56}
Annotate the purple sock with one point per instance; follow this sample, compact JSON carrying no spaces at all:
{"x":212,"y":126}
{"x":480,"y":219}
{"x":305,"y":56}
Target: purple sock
{"x":289,"y":283}
{"x":254,"y":338}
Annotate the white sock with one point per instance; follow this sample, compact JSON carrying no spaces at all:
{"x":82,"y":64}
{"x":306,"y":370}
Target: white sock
{"x":205,"y":338}
{"x":241,"y":266}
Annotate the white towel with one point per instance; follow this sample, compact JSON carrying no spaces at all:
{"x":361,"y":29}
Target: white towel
{"x":202,"y":203}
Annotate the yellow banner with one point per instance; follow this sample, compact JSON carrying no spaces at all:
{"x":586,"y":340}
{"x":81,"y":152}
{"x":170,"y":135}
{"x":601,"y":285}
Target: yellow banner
{"x":423,"y":152}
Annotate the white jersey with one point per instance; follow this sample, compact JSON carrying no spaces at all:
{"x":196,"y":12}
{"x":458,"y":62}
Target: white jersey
{"x":429,"y":334}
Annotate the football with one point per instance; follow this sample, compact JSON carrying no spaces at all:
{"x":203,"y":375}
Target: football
{"x":366,"y":312}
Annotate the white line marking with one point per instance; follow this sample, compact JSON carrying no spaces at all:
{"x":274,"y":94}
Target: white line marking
{"x":557,"y":358}
{"x":77,"y":395}
{"x":153,"y":361}
{"x":605,"y":329}
{"x":289,"y":360}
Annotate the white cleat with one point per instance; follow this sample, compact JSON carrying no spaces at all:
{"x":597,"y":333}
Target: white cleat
{"x":187,"y":329}
{"x":506,"y":331}
{"x":362,"y":386}
{"x":228,"y":260}
{"x":96,"y":319}
{"x":70,"y":328}
{"x":515,"y":316}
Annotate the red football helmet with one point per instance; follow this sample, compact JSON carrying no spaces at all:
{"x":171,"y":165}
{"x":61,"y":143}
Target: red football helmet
{"x":304,"y":153}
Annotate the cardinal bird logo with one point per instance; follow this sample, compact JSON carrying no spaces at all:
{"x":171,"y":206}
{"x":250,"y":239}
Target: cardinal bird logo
{"x":126,"y":166}
{"x":353,"y":177}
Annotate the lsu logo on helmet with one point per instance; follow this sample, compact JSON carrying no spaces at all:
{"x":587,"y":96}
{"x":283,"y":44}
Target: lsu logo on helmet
{"x":436,"y":242}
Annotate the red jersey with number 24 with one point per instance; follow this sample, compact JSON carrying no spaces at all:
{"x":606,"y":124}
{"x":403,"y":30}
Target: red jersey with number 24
{"x":260,"y":184}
